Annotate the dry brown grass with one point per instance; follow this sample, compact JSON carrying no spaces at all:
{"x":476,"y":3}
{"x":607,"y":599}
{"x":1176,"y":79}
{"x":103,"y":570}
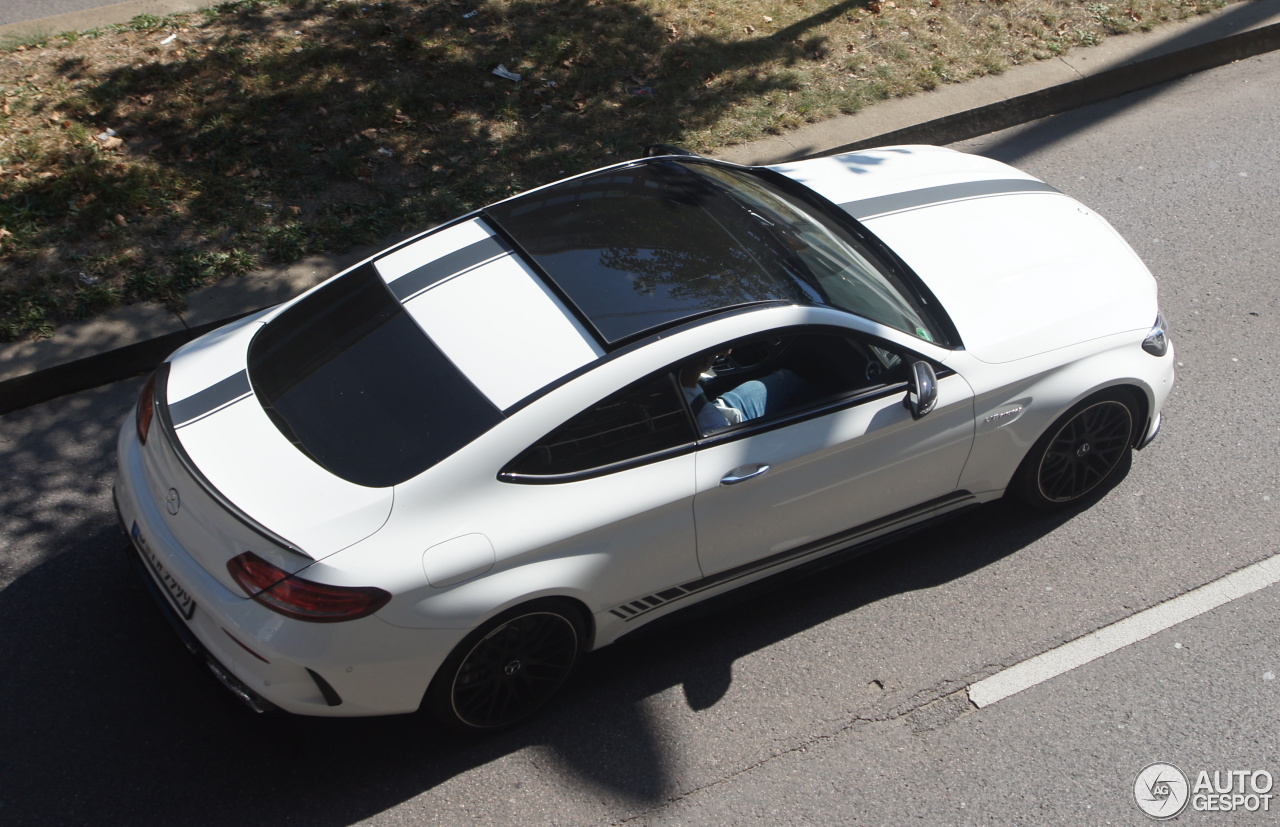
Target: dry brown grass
{"x":142,"y":161}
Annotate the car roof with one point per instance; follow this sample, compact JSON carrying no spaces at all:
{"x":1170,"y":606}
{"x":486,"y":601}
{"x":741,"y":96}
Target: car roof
{"x":644,"y":246}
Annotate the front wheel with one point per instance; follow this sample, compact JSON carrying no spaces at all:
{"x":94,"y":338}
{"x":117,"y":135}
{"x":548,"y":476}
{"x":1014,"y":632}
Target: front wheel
{"x":508,"y":668}
{"x":1078,"y":453}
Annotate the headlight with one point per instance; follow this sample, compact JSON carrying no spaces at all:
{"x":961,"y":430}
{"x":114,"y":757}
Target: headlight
{"x":1157,"y":341}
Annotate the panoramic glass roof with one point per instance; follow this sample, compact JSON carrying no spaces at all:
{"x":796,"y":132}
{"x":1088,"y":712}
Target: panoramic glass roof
{"x":644,"y":246}
{"x":647,"y":245}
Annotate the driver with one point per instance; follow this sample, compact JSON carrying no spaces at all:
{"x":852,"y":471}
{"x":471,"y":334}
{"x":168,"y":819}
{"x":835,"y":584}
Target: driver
{"x":765,"y":396}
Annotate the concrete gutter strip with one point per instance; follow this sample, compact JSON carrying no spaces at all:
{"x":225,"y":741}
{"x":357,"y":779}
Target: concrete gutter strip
{"x":1093,"y":89}
{"x":1116,"y":66}
{"x":86,"y":372}
{"x":86,"y":19}
{"x":135,"y":339}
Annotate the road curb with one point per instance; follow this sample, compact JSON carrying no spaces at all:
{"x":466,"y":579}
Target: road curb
{"x":1055,"y":100}
{"x":43,"y":384}
{"x":99,"y":369}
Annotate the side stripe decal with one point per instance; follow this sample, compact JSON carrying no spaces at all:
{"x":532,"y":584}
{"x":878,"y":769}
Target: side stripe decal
{"x":911,"y":518}
{"x":913,"y":199}
{"x":213,"y":398}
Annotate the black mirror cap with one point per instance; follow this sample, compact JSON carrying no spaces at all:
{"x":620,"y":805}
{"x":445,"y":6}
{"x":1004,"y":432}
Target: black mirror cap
{"x":922,"y":389}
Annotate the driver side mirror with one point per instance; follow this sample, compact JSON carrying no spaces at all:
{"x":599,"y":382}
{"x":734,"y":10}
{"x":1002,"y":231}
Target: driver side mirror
{"x":922,"y":389}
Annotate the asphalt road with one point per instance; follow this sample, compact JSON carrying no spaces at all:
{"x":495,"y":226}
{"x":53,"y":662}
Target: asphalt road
{"x":17,"y":11}
{"x":90,"y":13}
{"x":831,"y":700}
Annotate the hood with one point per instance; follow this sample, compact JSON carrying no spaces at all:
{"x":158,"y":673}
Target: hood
{"x":1020,"y":268}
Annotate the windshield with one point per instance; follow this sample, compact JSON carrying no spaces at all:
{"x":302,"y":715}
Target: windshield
{"x":842,"y":272}
{"x":645,"y":246}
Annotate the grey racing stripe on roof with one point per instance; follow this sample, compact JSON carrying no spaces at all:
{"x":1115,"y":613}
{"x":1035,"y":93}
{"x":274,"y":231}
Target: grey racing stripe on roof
{"x":213,"y":398}
{"x":913,"y":199}
{"x":433,"y":272}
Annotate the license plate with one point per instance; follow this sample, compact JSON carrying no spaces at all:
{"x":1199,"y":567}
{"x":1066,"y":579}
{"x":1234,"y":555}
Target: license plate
{"x":178,"y":596}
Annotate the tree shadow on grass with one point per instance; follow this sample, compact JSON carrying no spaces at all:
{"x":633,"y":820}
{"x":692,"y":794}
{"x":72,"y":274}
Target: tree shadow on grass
{"x":318,"y":126}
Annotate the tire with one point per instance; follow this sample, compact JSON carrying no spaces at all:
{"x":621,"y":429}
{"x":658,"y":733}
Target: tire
{"x":1079,"y":452}
{"x":506,"y":669}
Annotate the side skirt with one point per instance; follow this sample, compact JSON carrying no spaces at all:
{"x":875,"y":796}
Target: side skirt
{"x":804,"y":559}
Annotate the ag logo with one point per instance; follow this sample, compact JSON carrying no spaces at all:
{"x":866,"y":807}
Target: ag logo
{"x":1161,"y":790}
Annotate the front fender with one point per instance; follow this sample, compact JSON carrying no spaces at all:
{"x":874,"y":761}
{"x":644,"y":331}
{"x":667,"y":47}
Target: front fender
{"x":1023,"y":399}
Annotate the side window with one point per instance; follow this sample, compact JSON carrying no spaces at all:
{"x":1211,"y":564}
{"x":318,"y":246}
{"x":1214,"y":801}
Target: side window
{"x":638,"y":420}
{"x":776,"y":375}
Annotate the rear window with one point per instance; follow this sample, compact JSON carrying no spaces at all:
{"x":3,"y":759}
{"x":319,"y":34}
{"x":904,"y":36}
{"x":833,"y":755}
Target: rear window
{"x":357,"y":386}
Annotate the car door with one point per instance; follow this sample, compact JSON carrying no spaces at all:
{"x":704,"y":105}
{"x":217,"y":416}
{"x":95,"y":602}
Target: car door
{"x":612,"y":486}
{"x":850,"y":455}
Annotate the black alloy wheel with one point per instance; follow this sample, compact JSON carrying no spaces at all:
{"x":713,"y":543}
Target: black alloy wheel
{"x":508,"y":668}
{"x":1078,"y":453}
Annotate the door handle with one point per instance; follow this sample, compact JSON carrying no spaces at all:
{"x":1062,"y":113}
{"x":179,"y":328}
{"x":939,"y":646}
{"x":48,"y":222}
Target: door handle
{"x":743,"y":473}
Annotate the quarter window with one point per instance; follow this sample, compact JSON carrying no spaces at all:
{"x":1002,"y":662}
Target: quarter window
{"x":640,"y":420}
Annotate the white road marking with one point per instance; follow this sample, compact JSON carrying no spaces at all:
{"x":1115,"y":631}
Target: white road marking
{"x":1108,"y":639}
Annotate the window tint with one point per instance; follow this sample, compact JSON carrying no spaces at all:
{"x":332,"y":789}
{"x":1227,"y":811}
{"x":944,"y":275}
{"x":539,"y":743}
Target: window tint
{"x":639,"y":420}
{"x":776,"y":375}
{"x":353,"y":382}
{"x":846,"y":274}
{"x":648,"y":245}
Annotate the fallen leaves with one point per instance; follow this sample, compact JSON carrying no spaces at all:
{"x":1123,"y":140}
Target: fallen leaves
{"x":247,"y":114}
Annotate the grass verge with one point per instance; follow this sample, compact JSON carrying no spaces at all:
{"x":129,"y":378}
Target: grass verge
{"x":141,"y":161}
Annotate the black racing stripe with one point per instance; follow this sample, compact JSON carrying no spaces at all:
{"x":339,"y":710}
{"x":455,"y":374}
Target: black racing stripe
{"x":415,"y":281}
{"x":217,"y":395}
{"x":912,"y":199}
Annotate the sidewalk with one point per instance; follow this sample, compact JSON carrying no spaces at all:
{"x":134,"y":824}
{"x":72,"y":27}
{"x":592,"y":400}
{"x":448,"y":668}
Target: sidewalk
{"x":134,"y":339}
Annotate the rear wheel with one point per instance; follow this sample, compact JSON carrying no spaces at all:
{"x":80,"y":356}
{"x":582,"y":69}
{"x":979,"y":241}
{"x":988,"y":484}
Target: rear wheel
{"x":508,"y":668}
{"x":1079,"y":452}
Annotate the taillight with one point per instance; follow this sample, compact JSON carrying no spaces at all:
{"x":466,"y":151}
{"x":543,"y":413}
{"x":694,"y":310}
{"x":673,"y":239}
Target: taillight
{"x":301,"y":599}
{"x":146,"y":409}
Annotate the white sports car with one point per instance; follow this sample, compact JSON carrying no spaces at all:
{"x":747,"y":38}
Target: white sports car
{"x":440,"y":477}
